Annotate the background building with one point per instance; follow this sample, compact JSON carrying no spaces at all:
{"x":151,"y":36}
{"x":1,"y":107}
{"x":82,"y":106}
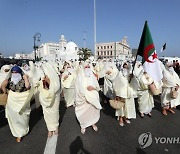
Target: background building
{"x":51,"y":51}
{"x":22,"y":56}
{"x":114,"y":50}
{"x":62,"y":50}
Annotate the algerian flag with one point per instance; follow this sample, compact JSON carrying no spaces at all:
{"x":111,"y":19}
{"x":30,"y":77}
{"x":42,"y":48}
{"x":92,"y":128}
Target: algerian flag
{"x":147,"y":50}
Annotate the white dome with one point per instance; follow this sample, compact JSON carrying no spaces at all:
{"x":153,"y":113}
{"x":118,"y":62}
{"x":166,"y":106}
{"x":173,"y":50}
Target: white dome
{"x":71,"y":46}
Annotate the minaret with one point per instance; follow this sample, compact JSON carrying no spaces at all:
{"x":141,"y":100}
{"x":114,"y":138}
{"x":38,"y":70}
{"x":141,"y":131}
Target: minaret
{"x":62,"y":42}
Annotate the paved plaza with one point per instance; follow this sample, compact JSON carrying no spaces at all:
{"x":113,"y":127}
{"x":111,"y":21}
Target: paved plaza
{"x":111,"y":138}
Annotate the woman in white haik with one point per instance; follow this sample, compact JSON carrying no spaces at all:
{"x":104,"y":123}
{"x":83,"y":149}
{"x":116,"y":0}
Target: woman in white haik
{"x":18,"y":103}
{"x":49,"y":98}
{"x":145,"y":98}
{"x":170,"y":81}
{"x":109,"y":70}
{"x":68,"y":84}
{"x":123,"y":89}
{"x":87,"y":102}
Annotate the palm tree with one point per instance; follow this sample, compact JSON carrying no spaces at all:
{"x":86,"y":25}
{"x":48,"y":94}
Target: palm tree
{"x":84,"y":53}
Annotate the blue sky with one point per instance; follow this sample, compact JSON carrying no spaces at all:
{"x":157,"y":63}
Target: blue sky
{"x":21,"y":19}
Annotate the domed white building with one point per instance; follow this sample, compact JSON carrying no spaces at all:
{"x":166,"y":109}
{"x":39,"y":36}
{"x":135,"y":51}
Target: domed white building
{"x":63,"y":50}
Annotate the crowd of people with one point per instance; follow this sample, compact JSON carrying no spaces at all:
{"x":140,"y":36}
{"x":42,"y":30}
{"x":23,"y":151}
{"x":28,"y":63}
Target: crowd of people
{"x":80,"y":83}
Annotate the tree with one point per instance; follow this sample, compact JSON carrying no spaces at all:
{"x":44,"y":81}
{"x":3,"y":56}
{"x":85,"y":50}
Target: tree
{"x":84,"y":53}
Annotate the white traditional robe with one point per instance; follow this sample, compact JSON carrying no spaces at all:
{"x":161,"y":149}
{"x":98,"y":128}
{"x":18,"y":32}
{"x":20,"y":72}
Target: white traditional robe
{"x":169,"y":82}
{"x":68,"y":86}
{"x":50,"y":98}
{"x":88,"y":106}
{"x":18,"y":112}
{"x":145,"y":98}
{"x":123,"y":89}
{"x":108,"y":80}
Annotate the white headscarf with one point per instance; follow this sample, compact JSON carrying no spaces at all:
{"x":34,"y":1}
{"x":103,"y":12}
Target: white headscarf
{"x":4,"y":75}
{"x":138,"y":69}
{"x":70,"y":71}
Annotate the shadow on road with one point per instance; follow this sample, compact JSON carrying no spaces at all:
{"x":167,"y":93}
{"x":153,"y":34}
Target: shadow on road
{"x":62,"y":110}
{"x":3,"y":120}
{"x":107,"y":109}
{"x":35,"y":116}
{"x":157,"y":103}
{"x":140,"y":151}
{"x":77,"y":147}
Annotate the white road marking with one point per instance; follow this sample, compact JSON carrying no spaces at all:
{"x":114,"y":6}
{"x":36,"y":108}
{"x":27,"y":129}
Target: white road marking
{"x":51,"y":145}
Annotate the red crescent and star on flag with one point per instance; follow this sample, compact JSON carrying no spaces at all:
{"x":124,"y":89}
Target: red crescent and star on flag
{"x":146,"y":52}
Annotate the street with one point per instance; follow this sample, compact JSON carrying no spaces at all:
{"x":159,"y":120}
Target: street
{"x":111,"y":138}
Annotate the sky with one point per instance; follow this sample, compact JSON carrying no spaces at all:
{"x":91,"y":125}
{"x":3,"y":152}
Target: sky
{"x":115,"y":19}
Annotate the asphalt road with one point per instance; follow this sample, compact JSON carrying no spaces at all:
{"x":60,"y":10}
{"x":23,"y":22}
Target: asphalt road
{"x":110,"y":138}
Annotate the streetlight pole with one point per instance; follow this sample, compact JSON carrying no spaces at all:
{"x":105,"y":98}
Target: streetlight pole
{"x":36,"y":37}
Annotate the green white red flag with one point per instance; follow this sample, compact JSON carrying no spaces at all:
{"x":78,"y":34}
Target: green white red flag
{"x":147,"y":51}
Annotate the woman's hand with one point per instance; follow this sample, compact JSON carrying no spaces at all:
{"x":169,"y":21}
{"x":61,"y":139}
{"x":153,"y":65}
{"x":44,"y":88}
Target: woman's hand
{"x":90,"y":88}
{"x":27,"y":83}
{"x":47,"y":79}
{"x":25,"y":77}
{"x":65,"y":77}
{"x":4,"y":85}
{"x":108,"y":72}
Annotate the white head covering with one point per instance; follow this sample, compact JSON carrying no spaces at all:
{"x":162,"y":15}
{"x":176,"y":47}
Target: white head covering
{"x":4,"y":75}
{"x":49,"y":70}
{"x":5,"y":67}
{"x":138,"y":69}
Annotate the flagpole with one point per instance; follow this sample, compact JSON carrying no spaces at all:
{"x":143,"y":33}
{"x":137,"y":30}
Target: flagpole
{"x":131,"y":75}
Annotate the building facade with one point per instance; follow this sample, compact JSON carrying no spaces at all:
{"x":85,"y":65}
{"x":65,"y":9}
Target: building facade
{"x":23,"y":56}
{"x":62,"y":50}
{"x":51,"y":51}
{"x":114,"y":50}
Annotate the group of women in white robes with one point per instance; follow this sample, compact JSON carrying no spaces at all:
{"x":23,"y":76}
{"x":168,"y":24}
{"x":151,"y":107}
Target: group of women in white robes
{"x":79,"y":84}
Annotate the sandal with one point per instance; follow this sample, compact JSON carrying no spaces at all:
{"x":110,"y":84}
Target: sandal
{"x":170,"y":110}
{"x":83,"y":130}
{"x":56,"y":132}
{"x":149,"y":114}
{"x":18,"y":139}
{"x":142,"y":115}
{"x":121,"y":124}
{"x":95,"y":128}
{"x":128,"y":121}
{"x":50,"y":133}
{"x":164,"y":112}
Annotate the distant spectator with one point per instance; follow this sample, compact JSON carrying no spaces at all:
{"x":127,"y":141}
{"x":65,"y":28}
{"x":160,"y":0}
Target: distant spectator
{"x":177,"y":68}
{"x":174,"y":64}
